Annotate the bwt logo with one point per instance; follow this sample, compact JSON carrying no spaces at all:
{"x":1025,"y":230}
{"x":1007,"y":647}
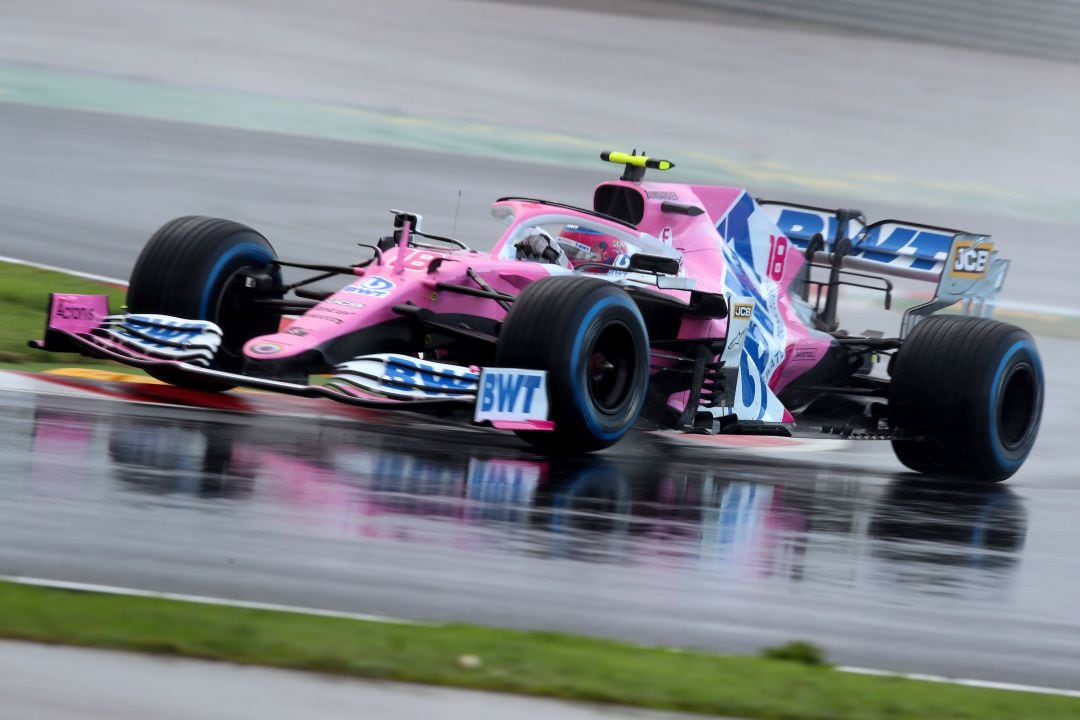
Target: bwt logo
{"x":743,"y":310}
{"x":896,"y":239}
{"x":170,"y":332}
{"x":373,"y":286}
{"x":971,"y":260}
{"x":427,"y":377}
{"x":502,"y":393}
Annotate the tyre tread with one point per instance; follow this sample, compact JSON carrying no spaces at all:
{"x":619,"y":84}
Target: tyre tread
{"x":940,"y":381}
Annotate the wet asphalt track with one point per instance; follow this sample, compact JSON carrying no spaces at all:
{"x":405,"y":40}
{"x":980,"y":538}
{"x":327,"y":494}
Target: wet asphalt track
{"x":86,"y":190}
{"x":703,"y":547}
{"x":706,"y":548}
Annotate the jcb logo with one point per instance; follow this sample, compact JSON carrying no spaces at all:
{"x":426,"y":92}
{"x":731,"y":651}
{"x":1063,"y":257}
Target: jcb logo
{"x":743,"y":310}
{"x":971,"y":260}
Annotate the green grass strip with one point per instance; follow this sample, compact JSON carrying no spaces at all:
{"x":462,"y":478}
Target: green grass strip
{"x":532,"y":663}
{"x":24,"y":299}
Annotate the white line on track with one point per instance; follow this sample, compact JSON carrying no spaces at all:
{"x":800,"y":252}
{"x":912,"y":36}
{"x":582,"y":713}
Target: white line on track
{"x":202,"y":600}
{"x":224,"y":602}
{"x":988,"y":684}
{"x":53,"y":268}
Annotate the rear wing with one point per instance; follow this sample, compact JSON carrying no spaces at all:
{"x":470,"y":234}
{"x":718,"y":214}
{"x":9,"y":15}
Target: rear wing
{"x":964,"y":266}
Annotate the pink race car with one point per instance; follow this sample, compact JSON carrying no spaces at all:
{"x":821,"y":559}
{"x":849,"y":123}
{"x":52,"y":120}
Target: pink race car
{"x":666,"y":306}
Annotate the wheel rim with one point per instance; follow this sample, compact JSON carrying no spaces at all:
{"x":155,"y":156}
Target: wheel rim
{"x":1018,"y":405}
{"x":234,"y":314}
{"x":611,"y":366}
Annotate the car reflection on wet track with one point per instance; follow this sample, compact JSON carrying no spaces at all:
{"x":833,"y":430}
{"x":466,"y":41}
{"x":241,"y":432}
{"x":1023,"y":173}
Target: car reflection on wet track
{"x":940,"y":539}
{"x":721,"y":551}
{"x":743,"y":521}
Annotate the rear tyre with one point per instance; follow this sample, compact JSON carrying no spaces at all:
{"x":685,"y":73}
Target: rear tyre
{"x":971,"y":391}
{"x":195,"y":268}
{"x":591,"y":339}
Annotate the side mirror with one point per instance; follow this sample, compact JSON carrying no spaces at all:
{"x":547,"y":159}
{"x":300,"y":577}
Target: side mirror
{"x":416,"y":220}
{"x":654,"y":264}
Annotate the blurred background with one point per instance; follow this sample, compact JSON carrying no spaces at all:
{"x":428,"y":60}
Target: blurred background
{"x":309,"y":120}
{"x":959,"y":113}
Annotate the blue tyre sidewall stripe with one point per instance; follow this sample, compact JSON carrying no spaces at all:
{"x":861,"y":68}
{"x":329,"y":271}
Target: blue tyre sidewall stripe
{"x":256,"y":253}
{"x":588,"y":414}
{"x":995,"y":390}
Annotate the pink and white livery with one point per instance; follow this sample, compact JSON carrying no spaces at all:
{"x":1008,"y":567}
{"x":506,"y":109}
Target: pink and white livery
{"x":665,"y":306}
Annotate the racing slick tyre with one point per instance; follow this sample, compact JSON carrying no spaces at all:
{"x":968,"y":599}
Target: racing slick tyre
{"x":591,"y":339}
{"x":195,"y":268}
{"x":971,"y":391}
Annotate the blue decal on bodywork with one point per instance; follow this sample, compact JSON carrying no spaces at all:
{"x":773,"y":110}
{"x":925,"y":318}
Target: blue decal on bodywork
{"x":766,"y":332}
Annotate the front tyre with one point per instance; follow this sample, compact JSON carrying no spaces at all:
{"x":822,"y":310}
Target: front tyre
{"x":591,"y":339}
{"x":198,"y":268}
{"x":971,"y":391}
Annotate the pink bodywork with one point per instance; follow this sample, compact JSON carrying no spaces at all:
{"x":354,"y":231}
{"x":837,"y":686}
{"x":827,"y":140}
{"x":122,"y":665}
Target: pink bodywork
{"x":77,"y":313}
{"x":405,"y":274}
{"x":395,"y":281}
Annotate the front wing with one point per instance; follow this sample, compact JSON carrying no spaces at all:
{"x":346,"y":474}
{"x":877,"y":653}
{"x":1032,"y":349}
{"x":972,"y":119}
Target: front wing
{"x":506,"y":398}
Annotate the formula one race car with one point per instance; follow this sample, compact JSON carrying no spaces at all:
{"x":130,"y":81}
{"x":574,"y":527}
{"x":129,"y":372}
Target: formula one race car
{"x":667,"y":306}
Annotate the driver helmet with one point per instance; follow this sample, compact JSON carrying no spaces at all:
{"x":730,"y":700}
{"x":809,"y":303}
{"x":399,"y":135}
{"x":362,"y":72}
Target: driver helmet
{"x":583,"y":245}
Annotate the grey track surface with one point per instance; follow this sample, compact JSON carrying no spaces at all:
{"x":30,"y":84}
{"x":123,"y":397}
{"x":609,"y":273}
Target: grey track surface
{"x":703,"y":550}
{"x":813,"y":101}
{"x":118,"y":686}
{"x":86,"y":190}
